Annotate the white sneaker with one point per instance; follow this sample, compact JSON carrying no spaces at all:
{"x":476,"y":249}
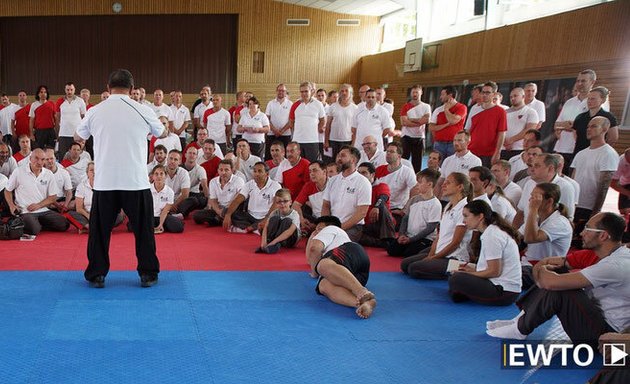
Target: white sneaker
{"x":234,"y":229}
{"x":507,"y":332}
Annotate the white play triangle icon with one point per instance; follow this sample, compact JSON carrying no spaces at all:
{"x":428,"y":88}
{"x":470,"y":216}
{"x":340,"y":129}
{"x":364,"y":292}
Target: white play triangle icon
{"x":617,"y":353}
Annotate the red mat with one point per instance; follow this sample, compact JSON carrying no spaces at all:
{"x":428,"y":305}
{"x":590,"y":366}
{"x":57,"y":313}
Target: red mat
{"x":199,"y":248}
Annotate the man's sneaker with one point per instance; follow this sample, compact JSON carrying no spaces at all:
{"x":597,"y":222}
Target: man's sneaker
{"x":147,"y":281}
{"x":97,"y":282}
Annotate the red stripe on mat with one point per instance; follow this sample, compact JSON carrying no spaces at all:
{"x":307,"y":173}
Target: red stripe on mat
{"x":198,"y":248}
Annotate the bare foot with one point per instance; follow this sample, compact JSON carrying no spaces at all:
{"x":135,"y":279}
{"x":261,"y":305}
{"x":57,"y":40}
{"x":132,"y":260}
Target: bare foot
{"x":364,"y":296}
{"x":365,"y":310}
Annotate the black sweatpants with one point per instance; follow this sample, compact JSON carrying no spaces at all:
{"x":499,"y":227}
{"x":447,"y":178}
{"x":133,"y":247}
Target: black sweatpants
{"x":413,"y":147}
{"x":464,"y":286}
{"x":208,"y":216}
{"x":243,"y":220}
{"x":34,"y":223}
{"x":138,"y":205}
{"x":336,"y":147}
{"x":44,"y":138}
{"x":419,"y":268}
{"x":275,"y":227}
{"x":407,"y":250}
{"x":192,"y":202}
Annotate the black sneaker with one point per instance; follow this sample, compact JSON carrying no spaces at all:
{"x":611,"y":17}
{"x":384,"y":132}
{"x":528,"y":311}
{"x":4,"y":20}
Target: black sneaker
{"x":147,"y":281}
{"x":98,"y":282}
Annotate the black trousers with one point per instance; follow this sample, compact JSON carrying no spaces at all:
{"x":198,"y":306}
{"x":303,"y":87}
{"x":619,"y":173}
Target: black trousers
{"x":192,"y":202}
{"x":44,"y":138}
{"x":336,"y":147}
{"x":34,"y":223}
{"x":580,"y":316}
{"x":243,"y":220}
{"x":413,"y":147}
{"x":310,"y":151}
{"x":138,"y":205}
{"x":64,"y":145}
{"x":464,"y":286}
{"x":419,"y":268}
{"x":276,"y":226}
{"x":257,"y":149}
{"x":407,"y":250}
{"x":208,"y":216}
{"x":377,"y":233}
{"x":223,"y":147}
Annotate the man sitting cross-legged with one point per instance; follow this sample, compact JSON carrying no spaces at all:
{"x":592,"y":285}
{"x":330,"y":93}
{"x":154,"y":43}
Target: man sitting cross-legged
{"x":342,"y":266}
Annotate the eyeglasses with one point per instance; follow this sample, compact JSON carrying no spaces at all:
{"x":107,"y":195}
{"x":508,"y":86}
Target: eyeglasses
{"x":593,"y":229}
{"x":283,"y":201}
{"x":366,"y":144}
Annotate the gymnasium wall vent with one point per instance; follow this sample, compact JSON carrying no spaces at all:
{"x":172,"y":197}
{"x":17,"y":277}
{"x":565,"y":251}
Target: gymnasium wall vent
{"x":298,"y":22}
{"x":348,"y":22}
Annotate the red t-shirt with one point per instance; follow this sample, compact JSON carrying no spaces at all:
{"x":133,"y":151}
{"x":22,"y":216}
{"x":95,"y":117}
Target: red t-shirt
{"x":88,"y":106}
{"x":212,"y":167}
{"x":485,"y":126}
{"x":405,"y":108}
{"x":308,"y":189}
{"x":271,"y":164}
{"x":448,"y":133}
{"x":18,"y":157}
{"x":377,"y":190}
{"x":45,"y":116}
{"x":22,"y":121}
{"x":207,"y":113}
{"x":67,"y":163}
{"x":295,"y":178}
{"x":194,"y":144}
{"x":381,"y":171}
{"x":582,"y":259}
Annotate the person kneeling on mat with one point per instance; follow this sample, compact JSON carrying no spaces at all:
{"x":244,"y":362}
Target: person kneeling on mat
{"x":342,"y":266}
{"x":283,"y":227}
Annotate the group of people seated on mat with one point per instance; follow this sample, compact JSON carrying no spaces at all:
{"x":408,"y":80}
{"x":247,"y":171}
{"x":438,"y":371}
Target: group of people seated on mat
{"x":493,"y":212}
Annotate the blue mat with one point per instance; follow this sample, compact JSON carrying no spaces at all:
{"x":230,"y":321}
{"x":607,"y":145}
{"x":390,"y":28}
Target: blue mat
{"x":247,"y":327}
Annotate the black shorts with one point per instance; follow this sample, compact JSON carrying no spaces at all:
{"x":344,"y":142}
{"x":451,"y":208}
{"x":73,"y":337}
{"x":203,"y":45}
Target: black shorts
{"x":353,"y":257}
{"x":624,"y":201}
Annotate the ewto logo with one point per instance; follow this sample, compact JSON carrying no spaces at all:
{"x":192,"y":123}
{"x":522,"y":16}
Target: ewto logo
{"x":545,"y":354}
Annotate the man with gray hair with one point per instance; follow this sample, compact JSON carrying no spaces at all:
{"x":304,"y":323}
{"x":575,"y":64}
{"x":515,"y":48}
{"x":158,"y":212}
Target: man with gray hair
{"x":531,"y":101}
{"x":307,"y":117}
{"x":339,"y":121}
{"x":277,"y":112}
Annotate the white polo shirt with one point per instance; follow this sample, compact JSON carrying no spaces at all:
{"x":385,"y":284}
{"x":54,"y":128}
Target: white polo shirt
{"x":421,"y":212}
{"x":70,"y":112}
{"x":517,"y":164}
{"x":259,"y":199}
{"x":162,"y":110}
{"x":215,"y":124}
{"x":559,"y":233}
{"x":152,"y":165}
{"x":63,"y":181}
{"x":371,"y":122}
{"x":120,"y":128}
{"x":517,"y":120}
{"x":161,"y":199}
{"x":415,"y":113}
{"x":278,"y":114}
{"x":400,"y":183}
{"x":180,"y":116}
{"x":170,"y":142}
{"x":30,"y":189}
{"x":179,"y":181}
{"x":588,"y":165}
{"x":84,"y":191}
{"x":513,"y":192}
{"x":247,"y":166}
{"x":341,"y":124}
{"x":461,"y":164}
{"x":377,"y":159}
{"x":6,"y":115}
{"x":451,"y":219}
{"x":345,"y":194}
{"x":332,"y":237}
{"x":3,"y":182}
{"x":200,"y":109}
{"x":566,"y":195}
{"x":503,"y":207}
{"x":305,"y":127}
{"x":259,"y":120}
{"x":497,"y":244}
{"x":197,"y":174}
{"x":539,"y":107}
{"x":9,"y":166}
{"x":77,"y":171}
{"x":225,"y":195}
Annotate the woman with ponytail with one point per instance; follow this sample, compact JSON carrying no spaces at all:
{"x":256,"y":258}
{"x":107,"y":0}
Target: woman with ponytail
{"x":453,"y":237}
{"x":547,"y":230}
{"x":496,"y":279}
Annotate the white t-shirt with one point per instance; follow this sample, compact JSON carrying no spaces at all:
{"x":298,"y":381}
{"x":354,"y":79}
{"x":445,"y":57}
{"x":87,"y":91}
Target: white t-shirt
{"x":170,"y":142}
{"x":332,"y":237}
{"x":503,"y":207}
{"x":559,"y":233}
{"x":341,"y":124}
{"x":84,"y":191}
{"x":566,"y":195}
{"x":162,"y":110}
{"x":570,"y":110}
{"x":293,"y":215}
{"x":345,"y":194}
{"x":610,"y":279}
{"x":77,"y":171}
{"x":513,"y":192}
{"x":30,"y":189}
{"x":539,"y":107}
{"x":226,"y":194}
{"x":575,"y":185}
{"x":197,"y":175}
{"x":451,"y":219}
{"x":200,"y":109}
{"x":400,"y":183}
{"x":622,"y":174}
{"x":415,"y":113}
{"x":70,"y":112}
{"x":215,"y":123}
{"x":63,"y":180}
{"x":455,"y":163}
{"x":377,"y":159}
{"x":9,"y":166}
{"x":588,"y":165}
{"x":259,"y":199}
{"x":422,"y":212}
{"x":371,"y":122}
{"x":3,"y":182}
{"x":247,"y":166}
{"x":517,"y":120}
{"x":161,"y":199}
{"x":278,"y":114}
{"x":120,"y":128}
{"x":179,"y":181}
{"x":180,"y":116}
{"x":305,"y":127}
{"x":517,"y":164}
{"x":6,"y":115}
{"x":259,"y":120}
{"x":496,"y":244}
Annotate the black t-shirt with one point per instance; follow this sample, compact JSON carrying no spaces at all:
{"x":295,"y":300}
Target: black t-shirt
{"x":581,"y":123}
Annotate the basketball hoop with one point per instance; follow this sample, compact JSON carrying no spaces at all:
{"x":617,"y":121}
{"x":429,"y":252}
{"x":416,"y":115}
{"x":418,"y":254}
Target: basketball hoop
{"x":401,"y":68}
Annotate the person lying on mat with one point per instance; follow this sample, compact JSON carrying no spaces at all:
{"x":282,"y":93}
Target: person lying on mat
{"x":496,"y":279}
{"x":588,"y":303}
{"x":83,"y":198}
{"x":342,"y":267}
{"x":283,"y":227}
{"x":453,"y":238}
{"x":163,"y":196}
